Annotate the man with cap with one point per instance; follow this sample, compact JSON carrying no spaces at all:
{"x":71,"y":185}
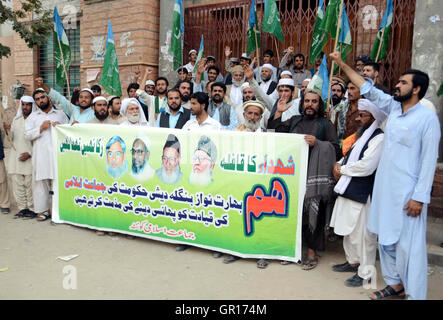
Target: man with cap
{"x":268,"y":55}
{"x":81,"y":113}
{"x":233,"y":91}
{"x":285,"y":90}
{"x":192,"y":60}
{"x":199,"y":109}
{"x":114,"y":106}
{"x":267,"y":84}
{"x":100,"y":107}
{"x":169,"y":172}
{"x":244,"y":60}
{"x":232,"y":62}
{"x":324,"y":151}
{"x":38,"y":127}
{"x":220,"y":110}
{"x":147,"y":101}
{"x":19,"y":162}
{"x":355,"y":174}
{"x":132,"y":111}
{"x":150,"y":87}
{"x":253,"y":114}
{"x":403,"y":183}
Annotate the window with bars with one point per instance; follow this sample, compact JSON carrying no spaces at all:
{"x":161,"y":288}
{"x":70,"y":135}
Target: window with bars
{"x":47,"y":66}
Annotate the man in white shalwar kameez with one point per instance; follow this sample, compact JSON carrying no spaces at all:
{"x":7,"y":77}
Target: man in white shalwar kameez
{"x":38,"y":128}
{"x":355,"y":174}
{"x":132,"y":110}
{"x":403,"y":182}
{"x":19,"y":162}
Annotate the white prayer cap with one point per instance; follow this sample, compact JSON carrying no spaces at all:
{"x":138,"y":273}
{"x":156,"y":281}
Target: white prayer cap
{"x":253,"y":103}
{"x":286,"y":82}
{"x":286,"y":73}
{"x":366,"y":105}
{"x":145,"y":140}
{"x":245,"y":86}
{"x":87,"y":89}
{"x":99,"y":98}
{"x":27,"y":99}
{"x":192,"y":51}
{"x":307,"y":80}
{"x":149,"y":83}
{"x":267,"y":66}
{"x":125,"y":104}
{"x":245,"y":56}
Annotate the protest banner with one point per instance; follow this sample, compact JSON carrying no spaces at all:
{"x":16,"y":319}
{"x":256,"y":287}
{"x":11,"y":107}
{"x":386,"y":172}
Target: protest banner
{"x":233,"y":192}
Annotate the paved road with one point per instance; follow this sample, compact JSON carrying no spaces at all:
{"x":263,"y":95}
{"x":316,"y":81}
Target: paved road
{"x":120,"y":268}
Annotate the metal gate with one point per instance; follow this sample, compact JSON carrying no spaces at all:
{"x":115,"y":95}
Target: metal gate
{"x":225,"y":24}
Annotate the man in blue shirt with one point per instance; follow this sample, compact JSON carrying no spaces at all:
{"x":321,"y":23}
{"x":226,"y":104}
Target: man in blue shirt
{"x":403,"y":181}
{"x":174,"y":115}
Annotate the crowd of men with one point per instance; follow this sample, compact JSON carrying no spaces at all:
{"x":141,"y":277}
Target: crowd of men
{"x":372,"y":155}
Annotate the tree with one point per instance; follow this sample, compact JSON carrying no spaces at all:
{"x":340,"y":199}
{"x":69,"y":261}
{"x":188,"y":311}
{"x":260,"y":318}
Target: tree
{"x":34,"y":32}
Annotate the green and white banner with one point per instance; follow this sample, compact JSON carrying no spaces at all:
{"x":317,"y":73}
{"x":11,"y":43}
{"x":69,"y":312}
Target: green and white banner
{"x":233,"y":192}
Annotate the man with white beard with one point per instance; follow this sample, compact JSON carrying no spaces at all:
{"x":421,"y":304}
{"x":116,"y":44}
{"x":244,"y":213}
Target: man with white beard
{"x":141,"y":170}
{"x":233,"y":92}
{"x":169,"y":172}
{"x":253,"y":113}
{"x":131,"y":110}
{"x":203,"y":162}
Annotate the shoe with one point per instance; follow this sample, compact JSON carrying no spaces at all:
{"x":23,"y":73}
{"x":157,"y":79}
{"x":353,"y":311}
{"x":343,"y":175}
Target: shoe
{"x":216,"y":254}
{"x":230,"y":259}
{"x":262,"y":264}
{"x":20,"y":214}
{"x":100,"y":233}
{"x":181,"y":247}
{"x":344,"y":267}
{"x":5,"y":210}
{"x":130,"y":237}
{"x":354,"y":281}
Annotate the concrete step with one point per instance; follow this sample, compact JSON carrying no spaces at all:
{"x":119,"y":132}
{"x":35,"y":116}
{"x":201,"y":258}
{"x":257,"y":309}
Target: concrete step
{"x":434,"y":239}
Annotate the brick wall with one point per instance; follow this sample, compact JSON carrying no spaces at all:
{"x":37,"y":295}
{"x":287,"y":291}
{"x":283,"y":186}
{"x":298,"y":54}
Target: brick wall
{"x":135,"y":25}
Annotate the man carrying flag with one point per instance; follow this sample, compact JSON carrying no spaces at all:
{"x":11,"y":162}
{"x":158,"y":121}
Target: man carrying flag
{"x":382,"y":41}
{"x":110,"y":79}
{"x":81,"y":113}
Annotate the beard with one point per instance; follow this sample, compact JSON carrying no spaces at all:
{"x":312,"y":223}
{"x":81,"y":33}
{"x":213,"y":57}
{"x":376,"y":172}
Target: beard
{"x":403,"y":98}
{"x":310,"y":116}
{"x":202,"y":179}
{"x":175,"y":107}
{"x":266,"y":79}
{"x":45,"y":106}
{"x":116,"y":173}
{"x":238,"y":83}
{"x":136,"y":169}
{"x":133,"y":118}
{"x":169,"y":178}
{"x":252,"y":125}
{"x":336,"y":100}
{"x":184,"y":98}
{"x":162,"y":92}
{"x":362,"y":129}
{"x":100,"y":116}
{"x":217,"y":98}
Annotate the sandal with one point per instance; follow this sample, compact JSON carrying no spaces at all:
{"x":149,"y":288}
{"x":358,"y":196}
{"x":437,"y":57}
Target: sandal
{"x":285,"y":262}
{"x":262,"y":264}
{"x":310,"y":264}
{"x":388,"y":292}
{"x":19,"y":214}
{"x":43,"y":217}
{"x":28,"y":214}
{"x":230,"y":259}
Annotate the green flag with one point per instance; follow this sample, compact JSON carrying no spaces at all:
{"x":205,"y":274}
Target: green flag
{"x":110,"y":79}
{"x":381,"y":45}
{"x":201,"y":53}
{"x":329,"y":24}
{"x":319,"y":38}
{"x":253,"y":32}
{"x":63,"y":55}
{"x":176,"y":48}
{"x":271,"y":20}
{"x":344,"y":38}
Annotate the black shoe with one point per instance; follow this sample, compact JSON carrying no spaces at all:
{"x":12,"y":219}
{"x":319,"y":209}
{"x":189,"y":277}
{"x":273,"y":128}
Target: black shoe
{"x":5,"y":210}
{"x":216,"y":254}
{"x":354,"y":281}
{"x":345,"y":267}
{"x":181,"y":247}
{"x":230,"y":259}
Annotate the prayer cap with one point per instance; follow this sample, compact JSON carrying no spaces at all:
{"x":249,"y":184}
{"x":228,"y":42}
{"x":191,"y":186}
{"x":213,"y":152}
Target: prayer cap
{"x":267,"y":66}
{"x":87,"y":89}
{"x":286,"y":82}
{"x":192,"y":51}
{"x":244,"y":86}
{"x":149,"y":83}
{"x":245,"y":56}
{"x":287,"y":73}
{"x":366,"y":105}
{"x":99,"y":98}
{"x":172,"y":142}
{"x":234,"y":60}
{"x":254,"y":103}
{"x":205,"y":144}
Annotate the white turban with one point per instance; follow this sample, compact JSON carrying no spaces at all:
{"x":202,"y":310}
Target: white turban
{"x":366,"y":105}
{"x":87,"y":89}
{"x":245,"y":86}
{"x":124,"y":108}
{"x":149,"y":83}
{"x":99,"y":98}
{"x":20,"y":108}
{"x":267,"y":66}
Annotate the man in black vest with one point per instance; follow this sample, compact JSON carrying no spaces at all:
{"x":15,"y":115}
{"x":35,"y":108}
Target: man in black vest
{"x":174,"y":116}
{"x":267,"y":85}
{"x":324,"y":151}
{"x":355,"y":174}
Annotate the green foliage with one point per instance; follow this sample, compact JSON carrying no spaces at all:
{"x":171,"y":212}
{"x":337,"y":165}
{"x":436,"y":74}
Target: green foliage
{"x":34,"y":32}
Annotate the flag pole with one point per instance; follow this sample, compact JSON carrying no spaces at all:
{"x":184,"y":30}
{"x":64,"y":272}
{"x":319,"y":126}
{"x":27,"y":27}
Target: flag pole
{"x":66,"y":76}
{"x":380,"y":45}
{"x":276,"y":49}
{"x":335,"y":47}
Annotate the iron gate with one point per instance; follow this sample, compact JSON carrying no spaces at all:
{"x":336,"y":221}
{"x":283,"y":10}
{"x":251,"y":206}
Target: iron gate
{"x":226,"y":23}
